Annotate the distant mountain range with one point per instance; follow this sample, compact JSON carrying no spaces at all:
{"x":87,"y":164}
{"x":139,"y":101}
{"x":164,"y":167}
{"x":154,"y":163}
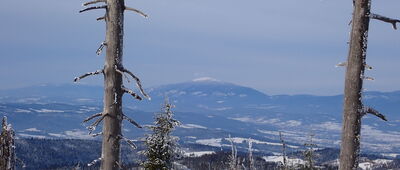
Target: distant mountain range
{"x":210,"y":110}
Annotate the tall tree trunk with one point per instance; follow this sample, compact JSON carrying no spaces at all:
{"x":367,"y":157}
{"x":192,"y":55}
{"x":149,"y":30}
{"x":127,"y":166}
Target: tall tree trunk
{"x":353,"y":107}
{"x":112,"y":85}
{"x":7,"y":148}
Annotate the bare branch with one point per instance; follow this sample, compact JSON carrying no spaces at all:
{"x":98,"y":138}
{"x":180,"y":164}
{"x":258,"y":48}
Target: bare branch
{"x":138,"y":83}
{"x":101,"y":18}
{"x":129,"y":141}
{"x":94,"y":162}
{"x":119,"y":165}
{"x":385,"y":19}
{"x":93,"y":126}
{"x":122,"y":73}
{"x":92,"y":117}
{"x":372,"y":111}
{"x":94,"y":7}
{"x":100,"y":49}
{"x":137,"y":11}
{"x":88,"y":74}
{"x":133,"y":94}
{"x":93,"y":2}
{"x":131,"y":121}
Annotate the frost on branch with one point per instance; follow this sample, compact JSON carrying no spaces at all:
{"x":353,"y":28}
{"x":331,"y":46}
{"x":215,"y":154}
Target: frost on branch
{"x":93,"y":126}
{"x":372,"y":111}
{"x":100,"y":49}
{"x":132,"y":93}
{"x":94,"y":162}
{"x":93,"y":2}
{"x":88,"y":74}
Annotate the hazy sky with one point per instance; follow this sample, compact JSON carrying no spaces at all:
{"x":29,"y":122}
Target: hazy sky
{"x":276,"y":46}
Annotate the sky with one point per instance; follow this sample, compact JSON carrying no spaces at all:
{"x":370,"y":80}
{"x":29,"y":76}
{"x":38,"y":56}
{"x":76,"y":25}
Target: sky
{"x":275,"y":46}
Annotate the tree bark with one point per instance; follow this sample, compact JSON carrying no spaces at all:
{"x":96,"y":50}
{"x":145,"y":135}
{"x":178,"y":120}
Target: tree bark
{"x":113,"y":85}
{"x":350,"y":146}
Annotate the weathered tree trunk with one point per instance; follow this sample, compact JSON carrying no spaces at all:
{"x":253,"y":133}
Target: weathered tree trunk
{"x":112,"y":85}
{"x":353,"y":107}
{"x":7,"y":148}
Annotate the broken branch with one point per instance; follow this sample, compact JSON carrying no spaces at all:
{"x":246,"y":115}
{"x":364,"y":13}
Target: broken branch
{"x":91,"y":8}
{"x":101,"y":18}
{"x":375,"y":112}
{"x":93,"y":2}
{"x":385,"y":19}
{"x":100,"y":49}
{"x":88,"y":74}
{"x":137,"y":11}
{"x":133,"y":94}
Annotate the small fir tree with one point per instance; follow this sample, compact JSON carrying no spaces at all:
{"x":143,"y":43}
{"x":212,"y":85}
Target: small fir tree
{"x":162,"y":148}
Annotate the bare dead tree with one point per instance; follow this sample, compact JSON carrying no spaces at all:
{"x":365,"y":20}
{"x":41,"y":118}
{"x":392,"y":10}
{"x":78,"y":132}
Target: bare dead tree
{"x":114,"y":89}
{"x":284,"y":163}
{"x":354,"y":109}
{"x":7,"y":147}
{"x":251,"y":158}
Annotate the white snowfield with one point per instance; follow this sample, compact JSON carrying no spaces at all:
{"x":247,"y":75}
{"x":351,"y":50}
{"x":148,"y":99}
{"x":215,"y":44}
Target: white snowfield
{"x":198,"y":153}
{"x":290,"y":161}
{"x":191,"y":126}
{"x":216,"y":142}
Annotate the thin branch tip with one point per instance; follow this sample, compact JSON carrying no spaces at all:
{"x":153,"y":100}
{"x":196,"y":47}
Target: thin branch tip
{"x":137,"y":11}
{"x":76,"y":79}
{"x":374,"y":112}
{"x":92,"y":8}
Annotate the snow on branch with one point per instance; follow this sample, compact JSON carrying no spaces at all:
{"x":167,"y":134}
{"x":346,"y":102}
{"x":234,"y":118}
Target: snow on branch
{"x":341,"y":64}
{"x":373,"y":111}
{"x":96,"y":134}
{"x":88,"y":74}
{"x":92,"y":117}
{"x":93,"y":126}
{"x":132,"y":93}
{"x":137,"y":11}
{"x":94,"y":7}
{"x":100,"y":49}
{"x":131,"y":121}
{"x":94,"y":162}
{"x":93,"y":2}
{"x":385,"y":19}
{"x":138,"y":83}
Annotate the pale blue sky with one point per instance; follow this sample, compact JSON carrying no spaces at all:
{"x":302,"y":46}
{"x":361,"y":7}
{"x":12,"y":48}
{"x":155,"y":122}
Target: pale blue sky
{"x":276,"y":46}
